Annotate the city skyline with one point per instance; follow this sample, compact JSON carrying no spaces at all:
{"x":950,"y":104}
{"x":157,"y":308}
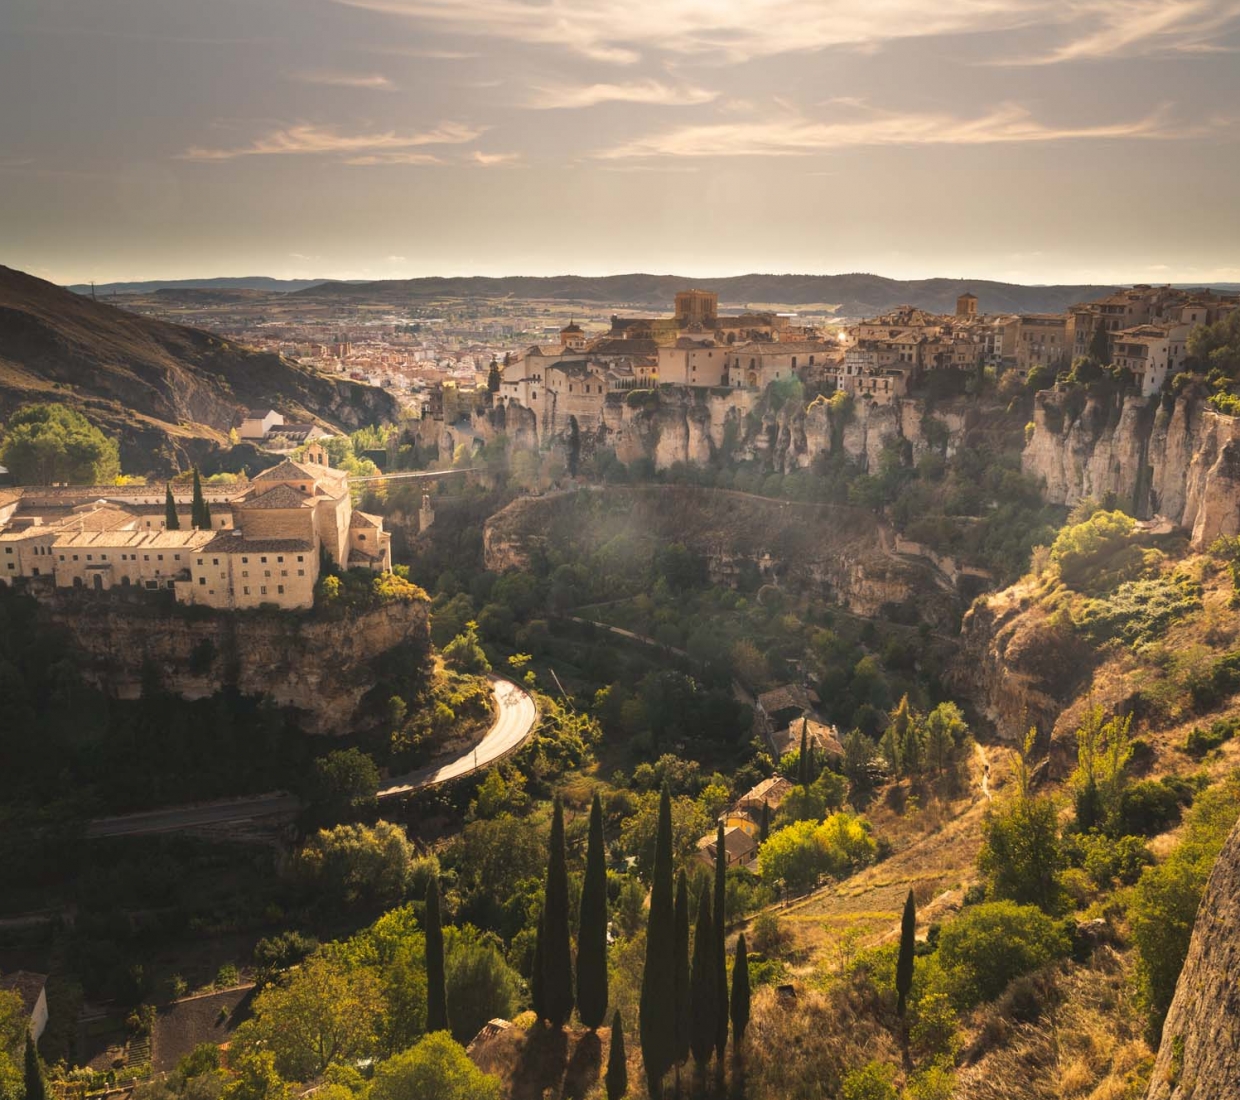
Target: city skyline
{"x":1039,"y":143}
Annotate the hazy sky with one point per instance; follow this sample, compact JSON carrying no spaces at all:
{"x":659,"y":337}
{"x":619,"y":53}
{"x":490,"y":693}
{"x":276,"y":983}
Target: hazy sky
{"x":1031,"y":140}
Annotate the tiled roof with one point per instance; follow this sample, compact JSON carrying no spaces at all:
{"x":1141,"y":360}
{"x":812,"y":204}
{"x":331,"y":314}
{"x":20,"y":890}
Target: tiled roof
{"x":228,"y":543}
{"x":282,"y":496}
{"x":364,"y":519}
{"x":360,"y":557}
{"x":26,"y":983}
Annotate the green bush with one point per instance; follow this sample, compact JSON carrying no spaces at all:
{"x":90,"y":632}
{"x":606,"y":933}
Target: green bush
{"x":1139,"y":612}
{"x":1199,"y":741}
{"x":988,"y":945}
{"x":1154,"y":805}
{"x":1106,"y":861}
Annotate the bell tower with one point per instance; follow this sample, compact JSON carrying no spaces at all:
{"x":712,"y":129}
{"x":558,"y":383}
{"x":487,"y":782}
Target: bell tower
{"x":316,"y":454}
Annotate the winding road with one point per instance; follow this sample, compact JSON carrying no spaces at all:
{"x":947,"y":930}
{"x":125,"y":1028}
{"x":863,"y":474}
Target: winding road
{"x":514,"y":722}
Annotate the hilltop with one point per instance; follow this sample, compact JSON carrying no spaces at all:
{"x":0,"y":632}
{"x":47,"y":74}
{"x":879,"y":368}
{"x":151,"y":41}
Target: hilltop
{"x":852,"y":295}
{"x":170,"y":392}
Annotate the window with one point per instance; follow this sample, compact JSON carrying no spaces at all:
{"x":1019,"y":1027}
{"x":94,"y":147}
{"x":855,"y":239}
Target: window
{"x":300,"y":557}
{"x":244,"y":561}
{"x":89,"y":557}
{"x":200,"y":561}
{"x":214,"y":561}
{"x":280,"y":589}
{"x":176,"y":557}
{"x":263,"y":560}
{"x":361,"y":538}
{"x":62,"y":557}
{"x":246,"y":591}
{"x":161,"y":558}
{"x":245,"y":572}
{"x":301,"y":572}
{"x":263,"y":590}
{"x":202,"y":580}
{"x":284,"y":572}
{"x":8,"y":549}
{"x":75,"y":557}
{"x":280,"y":558}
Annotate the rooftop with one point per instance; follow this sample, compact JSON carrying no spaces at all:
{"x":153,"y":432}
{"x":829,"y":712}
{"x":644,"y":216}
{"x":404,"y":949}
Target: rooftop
{"x":226,"y":542}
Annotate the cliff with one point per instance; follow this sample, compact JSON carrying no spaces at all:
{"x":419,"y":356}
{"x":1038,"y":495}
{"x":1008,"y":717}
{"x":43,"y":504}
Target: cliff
{"x":1200,"y":1053}
{"x":170,"y":393}
{"x":321,"y":667}
{"x":837,"y":552}
{"x":1169,"y":456}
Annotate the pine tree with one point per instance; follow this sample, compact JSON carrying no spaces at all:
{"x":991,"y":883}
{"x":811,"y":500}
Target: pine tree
{"x":199,"y":517}
{"x":436,"y":987}
{"x":720,"y":946}
{"x":803,"y":762}
{"x":171,"y":521}
{"x":681,"y":920}
{"x":702,"y":997}
{"x":740,"y":993}
{"x":656,"y":1023}
{"x":904,"y":961}
{"x":494,"y":378}
{"x":764,"y":826}
{"x":617,"y":1076}
{"x":538,"y":1002}
{"x":1100,"y":346}
{"x":557,"y":961}
{"x":592,"y":927}
{"x":36,"y":1086}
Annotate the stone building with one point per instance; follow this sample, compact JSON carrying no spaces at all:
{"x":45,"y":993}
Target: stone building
{"x":264,"y":545}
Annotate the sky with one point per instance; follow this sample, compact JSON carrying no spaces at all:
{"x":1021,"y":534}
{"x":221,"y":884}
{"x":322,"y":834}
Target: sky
{"x":1025,"y":140}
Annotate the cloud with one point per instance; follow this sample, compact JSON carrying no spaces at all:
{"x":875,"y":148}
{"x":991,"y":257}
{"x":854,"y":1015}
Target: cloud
{"x":644,"y":91}
{"x":371,"y":159}
{"x":619,"y":31}
{"x":494,"y":160}
{"x":307,"y":139}
{"x":373,"y":81}
{"x":795,"y":135}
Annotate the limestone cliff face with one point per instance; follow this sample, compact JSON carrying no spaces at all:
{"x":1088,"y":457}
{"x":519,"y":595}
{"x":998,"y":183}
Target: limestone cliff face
{"x":1017,"y":667}
{"x":1200,"y":1053}
{"x":322,"y":668}
{"x":1174,"y":457}
{"x":836,"y":552}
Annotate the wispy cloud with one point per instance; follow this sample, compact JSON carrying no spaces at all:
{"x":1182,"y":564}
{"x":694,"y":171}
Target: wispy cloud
{"x":651,"y":92}
{"x":795,"y":135}
{"x":372,"y":81}
{"x":307,"y":139}
{"x":620,"y":31}
{"x":495,"y":160}
{"x":368,"y":160}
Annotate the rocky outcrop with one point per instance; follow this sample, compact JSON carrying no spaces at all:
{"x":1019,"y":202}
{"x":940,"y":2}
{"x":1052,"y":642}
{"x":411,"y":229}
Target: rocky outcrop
{"x":835,"y":552}
{"x":1199,"y":1058}
{"x":321,"y":667}
{"x":1174,"y":457}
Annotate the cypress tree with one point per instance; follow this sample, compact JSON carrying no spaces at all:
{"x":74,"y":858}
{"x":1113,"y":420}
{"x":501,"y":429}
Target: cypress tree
{"x":904,"y":962}
{"x":617,"y":1077}
{"x":764,"y":826}
{"x":436,"y":987}
{"x":720,"y":946}
{"x":36,"y":1086}
{"x":557,"y":960}
{"x":537,"y":1000}
{"x":740,"y":993}
{"x":592,"y":927}
{"x":171,"y":521}
{"x":656,"y":1023}
{"x":199,"y":519}
{"x":702,"y":993}
{"x":803,"y":762}
{"x":682,"y":969}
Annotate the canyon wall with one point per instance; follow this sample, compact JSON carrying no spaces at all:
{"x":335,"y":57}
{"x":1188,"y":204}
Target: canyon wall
{"x":1168,"y":456}
{"x":321,"y":666}
{"x":835,"y":552}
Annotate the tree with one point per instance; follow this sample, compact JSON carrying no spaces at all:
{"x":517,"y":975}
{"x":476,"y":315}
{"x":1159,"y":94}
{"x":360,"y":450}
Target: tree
{"x":859,"y":753}
{"x":494,"y":377}
{"x":1021,"y":854}
{"x":702,"y":986}
{"x":1100,"y":346}
{"x":1103,"y":751}
{"x":945,"y":726}
{"x":764,"y":826}
{"x":617,"y":1076}
{"x":592,"y":927}
{"x":656,"y":1024}
{"x":480,"y":984}
{"x":803,"y":768}
{"x":740,"y":993}
{"x":904,"y":961}
{"x":720,"y":946}
{"x":172,"y":521}
{"x":55,"y":445}
{"x":358,"y":863}
{"x":437,"y":1068}
{"x":436,"y":984}
{"x":465,"y":651}
{"x":557,"y":962}
{"x":538,"y":998}
{"x":345,"y":782}
{"x":36,"y":1086}
{"x":200,"y":517}
{"x":324,"y":1012}
{"x":682,"y":1018}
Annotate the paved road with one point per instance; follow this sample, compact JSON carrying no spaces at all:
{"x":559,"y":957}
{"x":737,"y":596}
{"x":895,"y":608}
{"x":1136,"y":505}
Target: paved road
{"x":516,"y":717}
{"x":173,"y":819}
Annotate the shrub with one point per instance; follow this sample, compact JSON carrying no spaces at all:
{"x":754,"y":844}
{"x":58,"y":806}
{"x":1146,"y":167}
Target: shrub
{"x":1021,"y":854}
{"x":1154,"y":805}
{"x":1199,"y":741}
{"x":989,"y":945}
{"x":1106,"y":860}
{"x":875,"y":1081}
{"x":801,"y":852}
{"x":1083,"y":552}
{"x":437,"y":1068}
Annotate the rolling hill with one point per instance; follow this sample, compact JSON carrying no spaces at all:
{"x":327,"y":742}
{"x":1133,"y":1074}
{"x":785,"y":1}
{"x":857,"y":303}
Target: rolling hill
{"x":855,"y":295}
{"x":168,"y":392}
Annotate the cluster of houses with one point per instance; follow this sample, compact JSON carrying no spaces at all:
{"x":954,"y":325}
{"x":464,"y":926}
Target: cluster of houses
{"x":264,"y":543}
{"x":877,"y":359}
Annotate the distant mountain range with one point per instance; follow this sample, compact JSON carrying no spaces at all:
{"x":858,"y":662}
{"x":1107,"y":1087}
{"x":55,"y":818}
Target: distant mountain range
{"x":255,"y":282}
{"x":169,"y":393}
{"x":852,"y":295}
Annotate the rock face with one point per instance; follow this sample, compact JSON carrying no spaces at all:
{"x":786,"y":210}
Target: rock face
{"x":1174,"y":457}
{"x":836,"y":552}
{"x":323,"y":668}
{"x":1199,"y":1058}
